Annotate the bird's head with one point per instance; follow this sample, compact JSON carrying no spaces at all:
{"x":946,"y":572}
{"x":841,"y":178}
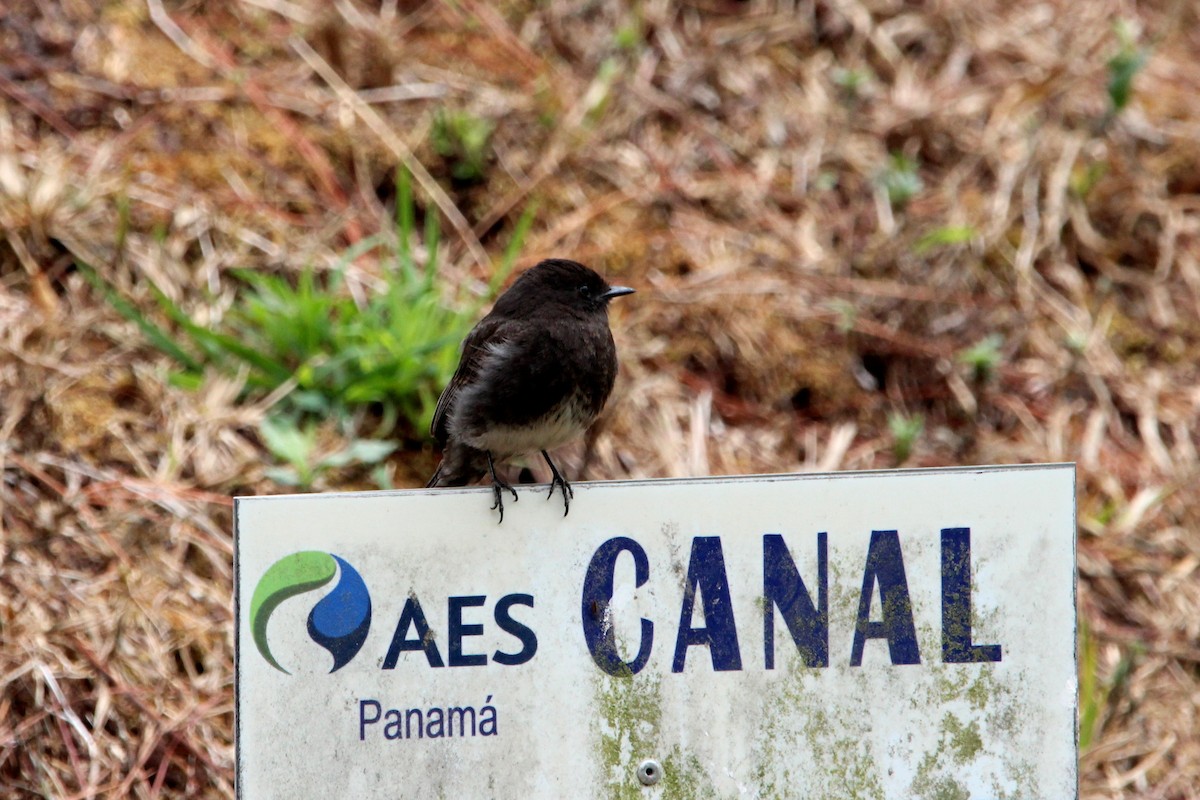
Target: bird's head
{"x":564,"y":282}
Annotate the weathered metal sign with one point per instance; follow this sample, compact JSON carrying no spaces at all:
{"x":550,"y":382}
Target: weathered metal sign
{"x":901,"y":634}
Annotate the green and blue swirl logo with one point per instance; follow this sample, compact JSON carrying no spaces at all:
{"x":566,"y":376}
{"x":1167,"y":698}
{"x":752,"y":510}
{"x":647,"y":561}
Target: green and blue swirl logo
{"x":338,"y":622}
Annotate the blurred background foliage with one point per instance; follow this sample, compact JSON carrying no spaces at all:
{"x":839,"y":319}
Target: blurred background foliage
{"x":240,"y":241}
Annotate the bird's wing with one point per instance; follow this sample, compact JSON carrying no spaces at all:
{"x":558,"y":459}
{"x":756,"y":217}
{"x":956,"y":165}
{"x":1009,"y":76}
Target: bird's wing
{"x":488,"y":334}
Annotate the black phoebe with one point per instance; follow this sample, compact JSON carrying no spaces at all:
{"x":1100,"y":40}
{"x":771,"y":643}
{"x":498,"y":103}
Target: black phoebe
{"x":534,"y":374}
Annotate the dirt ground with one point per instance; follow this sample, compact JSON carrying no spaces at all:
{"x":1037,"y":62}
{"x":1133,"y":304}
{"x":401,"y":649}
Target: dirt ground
{"x":974,"y":218}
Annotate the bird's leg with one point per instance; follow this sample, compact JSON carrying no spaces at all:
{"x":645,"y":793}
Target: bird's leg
{"x":498,"y":487}
{"x":561,"y":482}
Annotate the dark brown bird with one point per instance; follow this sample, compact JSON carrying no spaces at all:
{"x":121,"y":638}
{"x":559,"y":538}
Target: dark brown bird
{"x":534,"y":374}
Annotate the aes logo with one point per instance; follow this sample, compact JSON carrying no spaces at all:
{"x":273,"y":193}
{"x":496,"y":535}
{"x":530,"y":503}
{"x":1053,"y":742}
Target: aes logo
{"x":339,"y":621}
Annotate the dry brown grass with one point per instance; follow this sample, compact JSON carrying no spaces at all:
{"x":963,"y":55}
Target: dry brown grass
{"x":715,"y":162}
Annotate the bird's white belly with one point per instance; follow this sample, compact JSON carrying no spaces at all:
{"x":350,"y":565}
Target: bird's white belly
{"x":566,"y":423}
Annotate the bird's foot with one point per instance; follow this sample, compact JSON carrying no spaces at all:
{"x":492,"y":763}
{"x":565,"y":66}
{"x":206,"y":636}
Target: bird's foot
{"x":557,"y":480}
{"x":499,"y":487}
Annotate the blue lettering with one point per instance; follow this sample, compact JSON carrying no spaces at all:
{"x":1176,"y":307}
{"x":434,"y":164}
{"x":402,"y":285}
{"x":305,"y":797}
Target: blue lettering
{"x":523,"y":633}
{"x":363,"y":722}
{"x":885,"y":564}
{"x":706,"y":576}
{"x":487,"y":718}
{"x":783,"y":587}
{"x":435,"y":723}
{"x":408,"y":718}
{"x":459,"y":631}
{"x":411,"y":616}
{"x":461,"y":713}
{"x":956,"y":602}
{"x":438,"y":716}
{"x":597,"y":597}
{"x":393,"y":728}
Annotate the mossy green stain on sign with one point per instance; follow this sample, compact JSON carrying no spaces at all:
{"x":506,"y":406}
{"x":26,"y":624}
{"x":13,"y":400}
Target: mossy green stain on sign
{"x":629,"y":728}
{"x":849,"y":767}
{"x":684,"y":777}
{"x":965,"y":741}
{"x":958,"y":745}
{"x":630,"y":731}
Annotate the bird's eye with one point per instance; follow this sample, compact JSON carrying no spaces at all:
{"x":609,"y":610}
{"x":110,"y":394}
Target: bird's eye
{"x":585,"y":290}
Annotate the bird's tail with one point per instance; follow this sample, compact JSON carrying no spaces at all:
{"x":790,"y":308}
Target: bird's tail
{"x":460,"y":466}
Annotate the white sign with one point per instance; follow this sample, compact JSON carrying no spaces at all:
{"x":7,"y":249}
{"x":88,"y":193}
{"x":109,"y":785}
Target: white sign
{"x":904,"y":634}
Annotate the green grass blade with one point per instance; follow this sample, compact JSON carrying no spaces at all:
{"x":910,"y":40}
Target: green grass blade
{"x":352,"y":254}
{"x":219,"y":344}
{"x":515,"y":243}
{"x":405,"y":221}
{"x":433,"y":232}
{"x":156,"y":335}
{"x":948,"y":235}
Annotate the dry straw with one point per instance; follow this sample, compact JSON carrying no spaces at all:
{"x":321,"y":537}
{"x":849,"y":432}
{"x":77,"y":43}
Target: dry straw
{"x":837,"y":213}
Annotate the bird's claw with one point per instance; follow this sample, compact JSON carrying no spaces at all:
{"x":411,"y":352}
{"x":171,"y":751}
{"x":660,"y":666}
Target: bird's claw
{"x":567,"y":492}
{"x":498,"y":489}
{"x":558,"y":480}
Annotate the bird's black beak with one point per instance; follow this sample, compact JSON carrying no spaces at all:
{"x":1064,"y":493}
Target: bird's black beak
{"x":616,"y":291}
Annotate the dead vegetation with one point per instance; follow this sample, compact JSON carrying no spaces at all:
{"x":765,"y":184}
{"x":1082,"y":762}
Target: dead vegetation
{"x":840,"y":214}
